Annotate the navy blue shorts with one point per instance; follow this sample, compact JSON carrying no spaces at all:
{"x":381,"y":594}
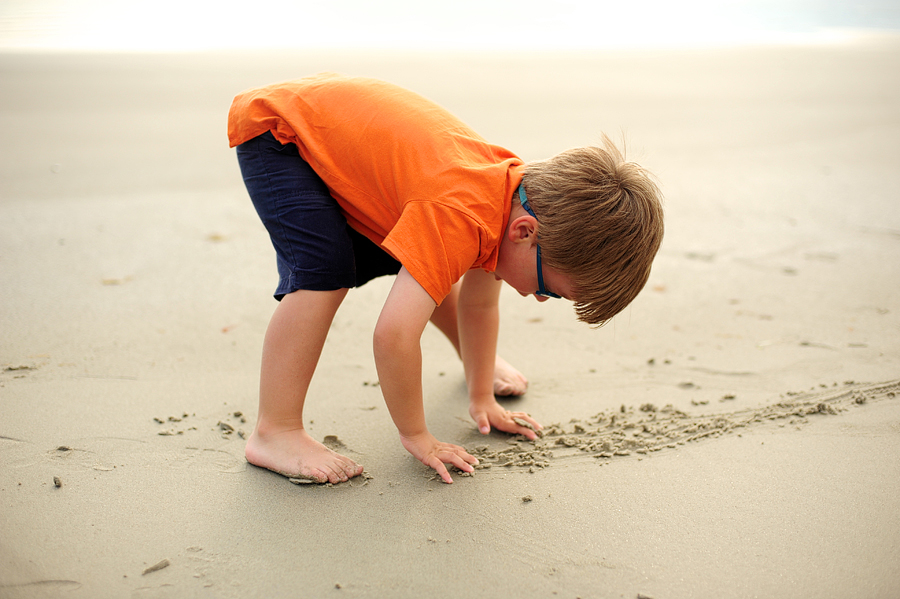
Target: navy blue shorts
{"x":315,"y":247}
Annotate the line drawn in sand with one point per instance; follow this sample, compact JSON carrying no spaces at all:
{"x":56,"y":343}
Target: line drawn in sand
{"x":648,"y":429}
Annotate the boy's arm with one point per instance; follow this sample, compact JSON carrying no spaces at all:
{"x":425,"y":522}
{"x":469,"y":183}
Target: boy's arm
{"x":398,"y":358}
{"x":479,"y":321}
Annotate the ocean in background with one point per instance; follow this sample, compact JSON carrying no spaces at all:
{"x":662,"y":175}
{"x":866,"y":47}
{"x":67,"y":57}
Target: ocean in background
{"x":190,"y":25}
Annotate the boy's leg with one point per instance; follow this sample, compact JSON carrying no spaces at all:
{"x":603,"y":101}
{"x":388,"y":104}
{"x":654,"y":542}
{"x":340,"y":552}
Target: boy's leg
{"x":507,"y":380}
{"x":291,"y":350}
{"x":315,"y":266}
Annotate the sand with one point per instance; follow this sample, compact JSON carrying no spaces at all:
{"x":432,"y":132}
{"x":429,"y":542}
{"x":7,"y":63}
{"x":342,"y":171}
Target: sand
{"x":734,"y":433}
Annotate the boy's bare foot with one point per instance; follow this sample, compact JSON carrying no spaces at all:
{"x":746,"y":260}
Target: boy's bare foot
{"x":507,"y":380}
{"x":295,"y":454}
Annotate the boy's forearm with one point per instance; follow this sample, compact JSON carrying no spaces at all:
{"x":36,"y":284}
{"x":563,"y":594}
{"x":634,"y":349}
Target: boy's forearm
{"x":398,"y":355}
{"x":479,"y":322}
{"x":399,"y":365}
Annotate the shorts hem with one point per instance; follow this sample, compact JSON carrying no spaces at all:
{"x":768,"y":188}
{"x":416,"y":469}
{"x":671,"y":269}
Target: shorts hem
{"x":313,"y":282}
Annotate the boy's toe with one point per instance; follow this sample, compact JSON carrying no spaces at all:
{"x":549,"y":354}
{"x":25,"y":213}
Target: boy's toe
{"x":350,"y":468}
{"x":334,"y":477}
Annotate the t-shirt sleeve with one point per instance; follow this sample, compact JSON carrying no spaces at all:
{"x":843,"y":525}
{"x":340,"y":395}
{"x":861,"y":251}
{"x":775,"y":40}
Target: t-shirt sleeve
{"x":436,"y":243}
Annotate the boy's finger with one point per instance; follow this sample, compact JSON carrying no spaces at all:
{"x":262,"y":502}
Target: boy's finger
{"x":526,"y":432}
{"x":516,"y":426}
{"x":526,"y":425}
{"x":484,"y":425}
{"x":463,"y":462}
{"x":523,"y":416}
{"x":453,"y":453}
{"x":439,"y":467}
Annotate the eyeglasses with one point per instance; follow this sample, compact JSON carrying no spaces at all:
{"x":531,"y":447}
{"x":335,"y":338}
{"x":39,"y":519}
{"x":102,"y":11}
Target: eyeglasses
{"x":540,"y":271}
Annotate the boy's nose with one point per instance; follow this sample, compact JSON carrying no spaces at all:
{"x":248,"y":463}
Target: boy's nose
{"x":541,"y":298}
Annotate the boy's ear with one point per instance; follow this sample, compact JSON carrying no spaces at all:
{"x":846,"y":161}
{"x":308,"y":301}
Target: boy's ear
{"x":523,"y":228}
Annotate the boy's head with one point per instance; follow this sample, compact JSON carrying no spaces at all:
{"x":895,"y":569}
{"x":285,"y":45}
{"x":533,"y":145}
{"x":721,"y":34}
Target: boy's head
{"x":601,"y":224}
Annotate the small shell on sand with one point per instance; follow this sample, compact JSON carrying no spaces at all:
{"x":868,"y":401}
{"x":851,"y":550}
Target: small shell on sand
{"x":157,"y":566}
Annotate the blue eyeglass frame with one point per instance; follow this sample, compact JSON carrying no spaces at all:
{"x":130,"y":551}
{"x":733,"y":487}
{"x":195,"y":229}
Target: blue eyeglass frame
{"x":540,"y":270}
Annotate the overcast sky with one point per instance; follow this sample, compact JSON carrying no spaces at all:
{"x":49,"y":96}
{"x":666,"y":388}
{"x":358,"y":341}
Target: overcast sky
{"x":167,"y":25}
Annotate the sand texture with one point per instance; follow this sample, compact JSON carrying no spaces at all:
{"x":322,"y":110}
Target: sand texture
{"x":734,"y":433}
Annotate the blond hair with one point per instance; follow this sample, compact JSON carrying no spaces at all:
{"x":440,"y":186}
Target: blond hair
{"x":601,"y":224}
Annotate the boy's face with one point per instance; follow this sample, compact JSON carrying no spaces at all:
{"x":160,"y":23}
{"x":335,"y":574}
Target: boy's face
{"x":524,"y":280}
{"x":518,"y":261}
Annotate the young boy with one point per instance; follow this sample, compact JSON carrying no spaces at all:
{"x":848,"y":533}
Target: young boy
{"x":355,"y":178}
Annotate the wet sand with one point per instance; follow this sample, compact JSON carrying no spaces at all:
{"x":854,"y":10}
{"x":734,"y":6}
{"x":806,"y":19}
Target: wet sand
{"x":735,"y":432}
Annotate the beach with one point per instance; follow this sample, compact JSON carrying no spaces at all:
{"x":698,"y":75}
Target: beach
{"x":735,"y":432}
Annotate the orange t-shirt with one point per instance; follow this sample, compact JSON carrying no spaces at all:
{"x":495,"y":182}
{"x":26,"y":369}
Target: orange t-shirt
{"x":406,"y":173}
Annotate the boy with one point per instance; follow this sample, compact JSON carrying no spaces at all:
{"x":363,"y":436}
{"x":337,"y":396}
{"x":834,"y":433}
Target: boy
{"x":355,"y":178}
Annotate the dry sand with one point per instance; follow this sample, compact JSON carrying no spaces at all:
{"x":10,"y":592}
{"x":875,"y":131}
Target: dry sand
{"x":752,"y":385}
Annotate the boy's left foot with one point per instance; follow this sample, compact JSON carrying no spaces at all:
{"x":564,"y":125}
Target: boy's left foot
{"x":293,"y":453}
{"x":508,"y":382}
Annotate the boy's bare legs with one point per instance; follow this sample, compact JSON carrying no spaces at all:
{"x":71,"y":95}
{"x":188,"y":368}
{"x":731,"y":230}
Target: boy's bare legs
{"x":507,"y":380}
{"x":291,"y":350}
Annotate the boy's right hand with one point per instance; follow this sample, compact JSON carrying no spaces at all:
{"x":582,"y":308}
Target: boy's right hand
{"x":434,"y":454}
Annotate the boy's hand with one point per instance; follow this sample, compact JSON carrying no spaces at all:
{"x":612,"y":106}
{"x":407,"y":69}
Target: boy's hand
{"x":434,"y":454}
{"x":489,"y":413}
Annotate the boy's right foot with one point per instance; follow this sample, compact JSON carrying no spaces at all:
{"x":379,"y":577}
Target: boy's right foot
{"x":508,"y":382}
{"x":295,"y":454}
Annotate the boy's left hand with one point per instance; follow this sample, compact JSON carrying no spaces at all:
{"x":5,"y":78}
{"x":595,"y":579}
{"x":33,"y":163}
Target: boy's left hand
{"x":489,"y":414}
{"x":434,"y":454}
